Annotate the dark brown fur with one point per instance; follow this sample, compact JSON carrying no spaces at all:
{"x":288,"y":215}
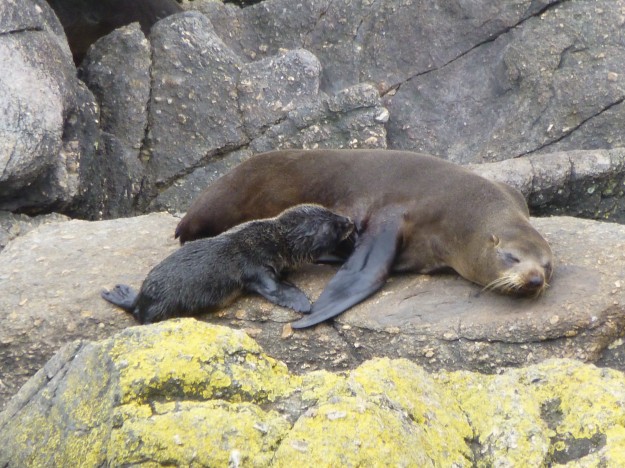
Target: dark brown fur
{"x":415,"y":212}
{"x":208,"y":273}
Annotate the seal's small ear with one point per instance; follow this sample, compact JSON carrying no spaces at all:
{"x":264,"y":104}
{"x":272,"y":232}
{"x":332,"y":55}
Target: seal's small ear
{"x":494,"y":239}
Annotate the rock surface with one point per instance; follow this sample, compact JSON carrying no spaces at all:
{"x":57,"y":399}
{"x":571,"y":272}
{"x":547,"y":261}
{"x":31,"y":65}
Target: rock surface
{"x":183,"y":392}
{"x":38,"y":94}
{"x":51,"y":278}
{"x":474,"y":81}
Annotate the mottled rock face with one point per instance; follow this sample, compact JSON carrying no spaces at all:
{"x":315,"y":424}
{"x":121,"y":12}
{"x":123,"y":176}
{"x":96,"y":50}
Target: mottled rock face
{"x":471,"y":81}
{"x":38,"y":90}
{"x":475,"y":81}
{"x":182,"y":392}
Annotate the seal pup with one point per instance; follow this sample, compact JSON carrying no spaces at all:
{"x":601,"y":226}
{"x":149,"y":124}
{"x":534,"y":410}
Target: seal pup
{"x":415,"y":213}
{"x":208,"y":273}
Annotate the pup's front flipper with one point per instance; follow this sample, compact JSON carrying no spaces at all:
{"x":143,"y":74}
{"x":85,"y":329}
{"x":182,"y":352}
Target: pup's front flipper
{"x":284,"y":294}
{"x":122,"y":296}
{"x":364,"y":273}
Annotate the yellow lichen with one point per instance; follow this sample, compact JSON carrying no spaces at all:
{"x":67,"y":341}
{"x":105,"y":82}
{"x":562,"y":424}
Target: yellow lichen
{"x":509,"y":411}
{"x":187,"y":393}
{"x":189,"y":360}
{"x":211,"y":433}
{"x":431,"y":406}
{"x":353,"y":432}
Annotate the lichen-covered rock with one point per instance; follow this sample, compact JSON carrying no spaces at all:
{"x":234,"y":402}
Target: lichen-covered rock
{"x":185,"y":393}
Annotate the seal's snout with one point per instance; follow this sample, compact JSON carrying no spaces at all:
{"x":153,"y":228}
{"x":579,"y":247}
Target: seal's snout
{"x":535,"y":281}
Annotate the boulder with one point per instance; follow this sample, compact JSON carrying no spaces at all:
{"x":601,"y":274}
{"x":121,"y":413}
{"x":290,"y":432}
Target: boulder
{"x":53,"y":276}
{"x":117,"y":71}
{"x":549,"y":84}
{"x":182,"y":110}
{"x":40,"y":105}
{"x":587,"y":184}
{"x":183,"y":392}
{"x":475,"y":81}
{"x":472,"y":82}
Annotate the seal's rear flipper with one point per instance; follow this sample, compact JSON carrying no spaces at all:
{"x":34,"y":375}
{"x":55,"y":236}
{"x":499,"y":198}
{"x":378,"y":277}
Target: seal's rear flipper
{"x":279,"y":292}
{"x":122,"y":296}
{"x":364,"y":273}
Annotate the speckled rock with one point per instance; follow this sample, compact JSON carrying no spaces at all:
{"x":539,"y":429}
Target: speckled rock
{"x":183,"y":392}
{"x":14,"y":225}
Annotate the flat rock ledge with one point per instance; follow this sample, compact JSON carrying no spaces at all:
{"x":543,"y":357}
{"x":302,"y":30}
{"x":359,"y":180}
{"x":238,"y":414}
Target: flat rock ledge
{"x":188,"y":393}
{"x":51,"y":278}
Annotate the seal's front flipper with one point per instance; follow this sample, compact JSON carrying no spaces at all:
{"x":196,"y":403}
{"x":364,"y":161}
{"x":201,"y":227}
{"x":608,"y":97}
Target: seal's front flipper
{"x":122,"y":296}
{"x":279,"y":292}
{"x":364,"y":273}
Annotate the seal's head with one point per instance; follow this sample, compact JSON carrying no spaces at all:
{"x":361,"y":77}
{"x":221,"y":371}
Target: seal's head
{"x":519,"y":260}
{"x":312,"y":230}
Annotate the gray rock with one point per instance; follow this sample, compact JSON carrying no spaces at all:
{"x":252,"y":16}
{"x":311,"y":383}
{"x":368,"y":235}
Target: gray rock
{"x":536,"y":88}
{"x":117,"y":71}
{"x":33,"y":96}
{"x":354,"y":118}
{"x":386,"y":42}
{"x":178,"y":197}
{"x":268,"y":89}
{"x":193,"y":110}
{"x":14,"y":225}
{"x":588,"y":184}
{"x":472,"y":82}
{"x":51,"y":277}
{"x":43,"y":107}
{"x":50,"y":283}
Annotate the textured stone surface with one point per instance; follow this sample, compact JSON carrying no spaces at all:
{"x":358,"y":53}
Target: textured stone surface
{"x":12,"y":225}
{"x":51,"y":277}
{"x":117,"y":71}
{"x":537,"y":88}
{"x":193,"y":111}
{"x":183,"y":392}
{"x":474,"y":81}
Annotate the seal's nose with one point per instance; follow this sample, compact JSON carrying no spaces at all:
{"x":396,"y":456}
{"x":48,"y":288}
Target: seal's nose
{"x":535,"y":281}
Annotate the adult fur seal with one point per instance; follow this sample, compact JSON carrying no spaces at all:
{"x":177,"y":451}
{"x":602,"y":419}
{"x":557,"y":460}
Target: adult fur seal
{"x":208,"y":273}
{"x":414,"y":212}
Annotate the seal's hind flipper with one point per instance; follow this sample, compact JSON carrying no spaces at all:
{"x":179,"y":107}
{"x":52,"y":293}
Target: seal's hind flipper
{"x":364,"y":273}
{"x":122,"y":296}
{"x":279,"y":292}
